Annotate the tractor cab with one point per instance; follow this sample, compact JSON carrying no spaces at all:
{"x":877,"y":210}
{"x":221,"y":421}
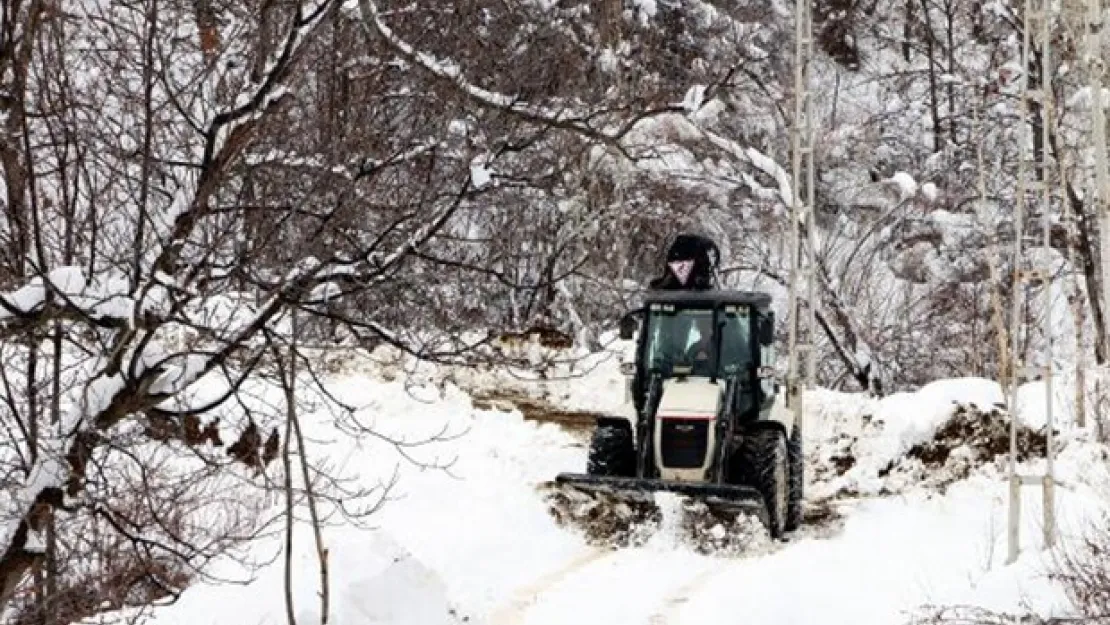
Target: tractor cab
{"x":699,"y":341}
{"x":715,"y":336}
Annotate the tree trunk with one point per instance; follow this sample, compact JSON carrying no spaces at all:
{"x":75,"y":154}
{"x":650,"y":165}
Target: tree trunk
{"x":609,"y":16}
{"x":208,"y":29}
{"x":934,"y":96}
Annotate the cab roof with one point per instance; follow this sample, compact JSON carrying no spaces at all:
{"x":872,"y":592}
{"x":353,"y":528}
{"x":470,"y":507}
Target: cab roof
{"x":708,"y":298}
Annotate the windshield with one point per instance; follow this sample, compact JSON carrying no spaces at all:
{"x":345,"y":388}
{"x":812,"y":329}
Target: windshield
{"x":683,"y":338}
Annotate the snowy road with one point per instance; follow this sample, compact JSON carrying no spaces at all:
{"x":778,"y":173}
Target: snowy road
{"x":478,"y":545}
{"x":618,"y":591}
{"x":891,"y":557}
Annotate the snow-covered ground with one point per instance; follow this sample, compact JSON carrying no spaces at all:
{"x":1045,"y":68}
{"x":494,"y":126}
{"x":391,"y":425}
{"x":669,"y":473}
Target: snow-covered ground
{"x":476,"y":544}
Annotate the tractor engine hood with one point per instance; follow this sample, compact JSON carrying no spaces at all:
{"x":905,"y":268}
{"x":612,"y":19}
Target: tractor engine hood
{"x":690,"y":398}
{"x":685,"y":436}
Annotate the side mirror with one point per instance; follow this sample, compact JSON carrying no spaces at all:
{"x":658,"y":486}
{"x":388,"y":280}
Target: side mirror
{"x":629,"y":325}
{"x":628,"y":369}
{"x":767,"y":329}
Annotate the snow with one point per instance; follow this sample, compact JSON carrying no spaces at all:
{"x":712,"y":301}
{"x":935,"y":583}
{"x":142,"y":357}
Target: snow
{"x":863,"y":357}
{"x":483,"y":511}
{"x":105,"y":297}
{"x":69,"y":281}
{"x":1082,"y":98}
{"x":325,"y":292}
{"x":776,"y":171}
{"x":458,"y":127}
{"x":179,"y":373}
{"x":450,"y":70}
{"x":99,"y":394}
{"x":48,"y":473}
{"x":608,"y":61}
{"x":695,"y":98}
{"x":892,"y":556}
{"x":907,"y":186}
{"x":646,"y":9}
{"x":480,"y":174}
{"x":476,"y":544}
{"x":913,"y":417}
{"x":929,"y":190}
{"x":35,"y":543}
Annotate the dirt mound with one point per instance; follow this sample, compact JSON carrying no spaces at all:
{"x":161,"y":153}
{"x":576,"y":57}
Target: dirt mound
{"x":985,"y":434}
{"x":969,"y":439}
{"x":536,"y":409}
{"x":606,"y":520}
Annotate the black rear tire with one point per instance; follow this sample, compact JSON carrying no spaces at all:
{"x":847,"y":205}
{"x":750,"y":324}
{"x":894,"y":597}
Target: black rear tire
{"x":612,"y":451}
{"x":795,"y":506}
{"x":763,"y":463}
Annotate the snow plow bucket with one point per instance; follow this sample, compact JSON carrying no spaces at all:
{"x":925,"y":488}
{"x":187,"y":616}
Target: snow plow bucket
{"x":721,"y":498}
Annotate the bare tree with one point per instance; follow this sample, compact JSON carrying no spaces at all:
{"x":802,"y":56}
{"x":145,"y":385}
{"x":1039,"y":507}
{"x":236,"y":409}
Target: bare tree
{"x":162,"y":228}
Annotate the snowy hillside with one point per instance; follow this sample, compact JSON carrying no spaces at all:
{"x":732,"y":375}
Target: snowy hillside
{"x":476,"y":543}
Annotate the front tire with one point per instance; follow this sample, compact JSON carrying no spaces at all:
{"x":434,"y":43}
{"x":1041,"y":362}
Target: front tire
{"x":765,"y":466}
{"x":612,"y":451}
{"x":795,"y":505}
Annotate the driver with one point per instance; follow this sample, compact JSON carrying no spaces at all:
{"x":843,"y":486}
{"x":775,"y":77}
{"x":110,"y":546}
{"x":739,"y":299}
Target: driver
{"x":700,"y":354}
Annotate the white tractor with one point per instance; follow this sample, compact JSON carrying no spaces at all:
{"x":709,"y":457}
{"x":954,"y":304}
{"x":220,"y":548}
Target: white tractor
{"x":704,"y":416}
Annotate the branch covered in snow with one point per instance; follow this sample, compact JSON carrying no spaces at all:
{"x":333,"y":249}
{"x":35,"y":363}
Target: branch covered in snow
{"x":578,"y":118}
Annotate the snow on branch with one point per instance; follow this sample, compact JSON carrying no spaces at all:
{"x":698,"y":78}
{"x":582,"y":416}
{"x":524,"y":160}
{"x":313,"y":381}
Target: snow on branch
{"x":253,"y":105}
{"x":65,"y":294}
{"x":569,"y":118}
{"x":759,"y":160}
{"x":112,"y":393}
{"x":450,"y":71}
{"x":768,"y":166}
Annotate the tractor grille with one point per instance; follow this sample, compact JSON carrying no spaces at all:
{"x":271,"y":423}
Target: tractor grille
{"x":683,"y":443}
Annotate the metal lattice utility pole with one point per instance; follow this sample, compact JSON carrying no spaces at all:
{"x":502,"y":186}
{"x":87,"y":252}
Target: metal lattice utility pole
{"x":1035,"y":98}
{"x":802,"y":235}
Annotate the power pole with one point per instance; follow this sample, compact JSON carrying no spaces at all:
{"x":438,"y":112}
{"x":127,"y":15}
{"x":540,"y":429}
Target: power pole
{"x":1037,"y":15}
{"x":802,"y":234}
{"x":1096,"y":68}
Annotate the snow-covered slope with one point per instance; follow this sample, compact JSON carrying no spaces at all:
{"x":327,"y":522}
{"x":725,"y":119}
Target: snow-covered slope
{"x":476,"y":544}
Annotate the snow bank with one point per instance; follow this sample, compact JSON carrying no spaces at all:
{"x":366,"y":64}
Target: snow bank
{"x":912,"y":418}
{"x":853,"y":439}
{"x":476,"y":543}
{"x":892,"y":556}
{"x":448,"y":543}
{"x":374,"y":580}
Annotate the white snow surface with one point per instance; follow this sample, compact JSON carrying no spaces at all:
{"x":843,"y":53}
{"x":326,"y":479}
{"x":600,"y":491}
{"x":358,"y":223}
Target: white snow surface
{"x":907,"y":186}
{"x":477,"y":544}
{"x":480,"y":174}
{"x":646,"y":8}
{"x":929,"y":190}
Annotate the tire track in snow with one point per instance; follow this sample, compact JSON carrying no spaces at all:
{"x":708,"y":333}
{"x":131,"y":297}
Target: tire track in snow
{"x":675,"y":594}
{"x":516,"y":610}
{"x":668,"y":609}
{"x":523,"y":599}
